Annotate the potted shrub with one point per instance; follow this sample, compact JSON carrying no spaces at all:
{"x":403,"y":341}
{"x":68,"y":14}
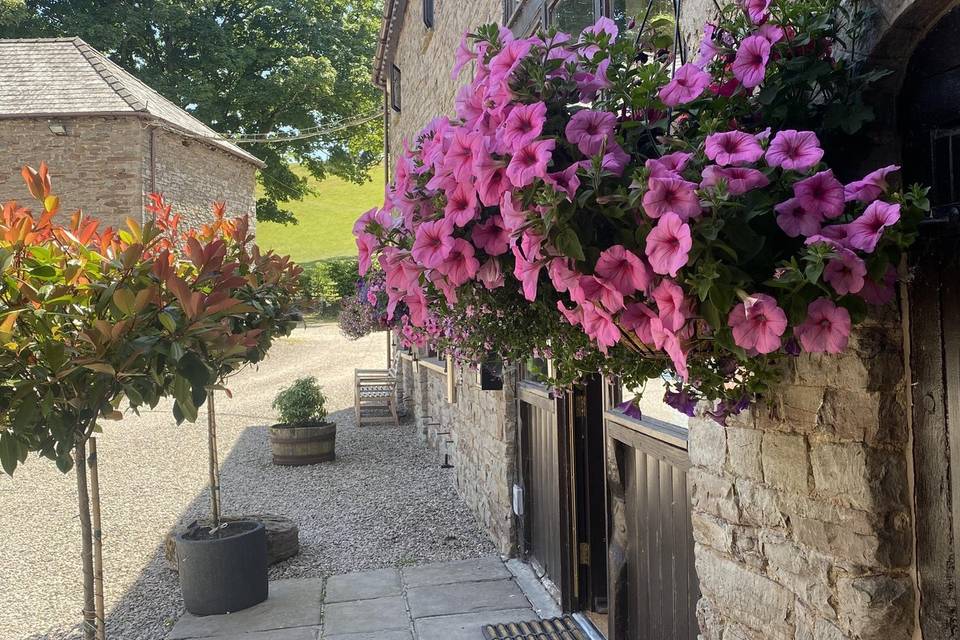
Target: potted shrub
{"x":304,"y":436}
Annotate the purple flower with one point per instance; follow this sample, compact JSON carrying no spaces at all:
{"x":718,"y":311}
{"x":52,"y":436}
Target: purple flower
{"x":750,"y":64}
{"x":864,"y":233}
{"x":687,"y":85}
{"x":629,"y":408}
{"x":589,"y":130}
{"x":682,"y":401}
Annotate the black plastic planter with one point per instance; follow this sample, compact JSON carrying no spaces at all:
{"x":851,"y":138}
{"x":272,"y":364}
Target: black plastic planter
{"x":225,"y":572}
{"x":491,"y":375}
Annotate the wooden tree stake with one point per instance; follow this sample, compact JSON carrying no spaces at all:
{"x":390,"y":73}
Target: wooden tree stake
{"x":214,"y":465}
{"x":86,"y":537}
{"x":97,"y":541}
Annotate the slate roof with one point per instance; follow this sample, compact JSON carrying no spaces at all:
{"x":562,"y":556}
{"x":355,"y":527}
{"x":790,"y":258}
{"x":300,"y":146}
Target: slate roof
{"x":67,"y":77}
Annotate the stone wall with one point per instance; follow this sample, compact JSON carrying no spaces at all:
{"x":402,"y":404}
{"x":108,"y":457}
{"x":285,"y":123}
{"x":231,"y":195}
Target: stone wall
{"x":425,"y":58}
{"x":478,"y":434}
{"x":94,"y":167}
{"x":192,"y":175}
{"x":801,"y":508}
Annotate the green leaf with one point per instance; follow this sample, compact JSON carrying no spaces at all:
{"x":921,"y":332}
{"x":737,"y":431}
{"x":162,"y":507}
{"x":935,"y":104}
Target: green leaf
{"x":8,"y":453}
{"x":167,"y":321}
{"x":568,"y":243}
{"x":100,"y":367}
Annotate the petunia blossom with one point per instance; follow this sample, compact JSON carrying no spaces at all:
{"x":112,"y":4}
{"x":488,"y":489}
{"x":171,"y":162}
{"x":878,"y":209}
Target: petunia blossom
{"x":433,"y":242}
{"x":640,"y":319}
{"x":797,"y":221}
{"x":795,"y":150}
{"x":599,"y":325}
{"x":668,"y":166}
{"x":491,"y":236}
{"x":490,"y":274}
{"x":593,"y":290}
{"x":527,"y":272}
{"x":708,"y":48}
{"x":461,"y":204}
{"x":668,"y":245}
{"x":826,"y":329}
{"x":739,"y":180}
{"x":733,"y":148}
{"x":758,"y":10}
{"x":758,"y":324}
{"x":880,"y":293}
{"x":621,"y":268}
{"x":589,"y":130}
{"x":366,"y":244}
{"x":523,"y":125}
{"x":506,"y":61}
{"x":530,"y":162}
{"x":673,"y":309}
{"x":871,"y":187}
{"x":565,"y":181}
{"x":687,"y":84}
{"x":492,"y":183}
{"x":462,"y":57}
{"x":671,"y":195}
{"x":820,"y":193}
{"x":590,"y":84}
{"x":460,"y":265}
{"x":864,"y":233}
{"x":845,"y":272}
{"x":750,"y":63}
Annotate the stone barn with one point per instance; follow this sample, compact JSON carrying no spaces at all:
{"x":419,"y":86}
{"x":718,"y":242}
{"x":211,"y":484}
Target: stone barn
{"x":109,"y":139}
{"x":831,"y":510}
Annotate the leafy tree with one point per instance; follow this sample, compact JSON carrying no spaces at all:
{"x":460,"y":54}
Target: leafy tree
{"x":242,"y":66}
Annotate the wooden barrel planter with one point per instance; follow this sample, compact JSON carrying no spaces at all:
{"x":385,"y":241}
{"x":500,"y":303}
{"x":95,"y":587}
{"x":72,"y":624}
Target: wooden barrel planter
{"x":295,"y":445}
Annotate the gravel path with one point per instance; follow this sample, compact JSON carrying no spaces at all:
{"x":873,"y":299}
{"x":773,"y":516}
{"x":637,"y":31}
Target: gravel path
{"x":383,"y":502}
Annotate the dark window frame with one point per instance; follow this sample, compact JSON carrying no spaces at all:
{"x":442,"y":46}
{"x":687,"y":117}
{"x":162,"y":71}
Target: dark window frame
{"x":395,"y":88}
{"x":428,"y":14}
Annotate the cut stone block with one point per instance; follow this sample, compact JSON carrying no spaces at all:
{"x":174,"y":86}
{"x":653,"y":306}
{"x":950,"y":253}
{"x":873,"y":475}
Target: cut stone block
{"x":473,"y":570}
{"x":465,"y":597}
{"x":366,"y":616}
{"x":292,"y":604}
{"x":363,"y":585}
{"x":467,"y":626}
{"x":376,"y":635}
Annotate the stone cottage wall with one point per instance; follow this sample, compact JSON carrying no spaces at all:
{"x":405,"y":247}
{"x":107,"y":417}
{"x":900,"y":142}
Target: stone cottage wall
{"x":477,"y":433}
{"x":192,"y":175}
{"x":425,"y":58}
{"x":94,"y":167}
{"x":801,"y":508}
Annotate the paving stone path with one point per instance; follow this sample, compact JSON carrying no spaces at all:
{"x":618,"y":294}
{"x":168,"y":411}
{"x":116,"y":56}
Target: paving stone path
{"x":443,"y":601}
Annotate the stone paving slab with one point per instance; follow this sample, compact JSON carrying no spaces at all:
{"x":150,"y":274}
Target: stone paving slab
{"x":363,"y":585}
{"x":376,"y":635}
{"x":365,"y":616}
{"x":467,"y":626}
{"x":474,"y":570}
{"x":465,"y":597}
{"x":291,"y":604}
{"x":300,"y":633}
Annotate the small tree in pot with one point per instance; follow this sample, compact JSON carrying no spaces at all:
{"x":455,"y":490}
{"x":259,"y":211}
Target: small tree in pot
{"x":304,"y":436}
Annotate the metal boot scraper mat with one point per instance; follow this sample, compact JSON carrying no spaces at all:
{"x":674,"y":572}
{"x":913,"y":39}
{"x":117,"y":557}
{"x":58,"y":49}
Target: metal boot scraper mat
{"x":555,"y":629}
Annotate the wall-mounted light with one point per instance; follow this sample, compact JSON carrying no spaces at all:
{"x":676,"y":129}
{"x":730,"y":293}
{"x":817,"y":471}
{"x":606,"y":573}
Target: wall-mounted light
{"x":57,"y":128}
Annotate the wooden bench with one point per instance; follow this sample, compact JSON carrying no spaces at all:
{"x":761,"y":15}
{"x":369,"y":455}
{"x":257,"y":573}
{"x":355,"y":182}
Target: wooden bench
{"x":375,"y":396}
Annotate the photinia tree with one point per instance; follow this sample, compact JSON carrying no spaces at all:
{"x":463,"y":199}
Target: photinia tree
{"x":92,"y":320}
{"x":603,"y":202}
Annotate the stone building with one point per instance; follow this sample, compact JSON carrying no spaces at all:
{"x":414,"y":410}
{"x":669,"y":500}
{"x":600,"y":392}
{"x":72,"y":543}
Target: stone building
{"x":830,"y":510}
{"x":109,"y":139}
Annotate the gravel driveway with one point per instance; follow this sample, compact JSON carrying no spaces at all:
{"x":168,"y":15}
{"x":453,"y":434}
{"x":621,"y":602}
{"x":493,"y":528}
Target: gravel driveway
{"x":383,"y":502}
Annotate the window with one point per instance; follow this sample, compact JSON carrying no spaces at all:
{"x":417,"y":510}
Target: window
{"x":573,"y":16}
{"x":395,"y":88}
{"x":649,"y":399}
{"x":428,"y":13}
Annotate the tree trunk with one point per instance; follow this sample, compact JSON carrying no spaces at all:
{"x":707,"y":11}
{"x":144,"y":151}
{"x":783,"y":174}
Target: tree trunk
{"x":214,"y":465}
{"x":92,"y":463}
{"x":86,"y":537}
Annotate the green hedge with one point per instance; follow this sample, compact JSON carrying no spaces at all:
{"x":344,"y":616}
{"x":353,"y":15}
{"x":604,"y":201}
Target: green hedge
{"x":330,"y":280}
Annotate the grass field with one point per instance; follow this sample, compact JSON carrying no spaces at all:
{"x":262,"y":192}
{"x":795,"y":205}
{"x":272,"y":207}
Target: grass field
{"x":326,"y":220}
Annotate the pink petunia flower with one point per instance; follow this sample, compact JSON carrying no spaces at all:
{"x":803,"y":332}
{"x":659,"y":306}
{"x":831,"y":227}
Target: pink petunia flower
{"x":687,"y":84}
{"x":797,"y":221}
{"x":671,"y":344}
{"x":433,"y":242}
{"x":621,"y":268}
{"x":590,"y":84}
{"x":530,"y":162}
{"x":642,"y":320}
{"x":527,"y":272}
{"x":574,"y":316}
{"x":820,"y":193}
{"x":503,"y":64}
{"x":864,"y":233}
{"x":871,"y":187}
{"x":461,"y":204}
{"x":733,"y":147}
{"x":602,"y":25}
{"x":463,"y":56}
{"x":771,"y":32}
{"x":366,"y":245}
{"x":615,"y":159}
{"x":739,"y":180}
{"x":589,"y":130}
{"x":673,"y":309}
{"x":758,"y":324}
{"x":459,"y":157}
{"x":750,"y":63}
{"x":490,"y":274}
{"x":514,"y":218}
{"x":708,"y":48}
{"x":668,"y":166}
{"x":491,"y":236}
{"x":593,"y":290}
{"x":492,"y":183}
{"x":668,"y":245}
{"x":845,"y":272}
{"x":796,"y":150}
{"x":880,"y":293}
{"x":671,"y":195}
{"x":599,"y":325}
{"x":460,"y":265}
{"x":565,"y":181}
{"x":758,"y":10}
{"x":826,"y":329}
{"x":523,"y":125}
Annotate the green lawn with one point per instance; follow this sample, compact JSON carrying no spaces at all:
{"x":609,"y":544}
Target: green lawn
{"x":326,"y":220}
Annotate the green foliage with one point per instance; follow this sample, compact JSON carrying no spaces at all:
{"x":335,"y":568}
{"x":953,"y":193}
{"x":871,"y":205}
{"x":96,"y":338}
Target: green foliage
{"x":301,"y":403}
{"x":252,"y":66}
{"x":330,"y":280}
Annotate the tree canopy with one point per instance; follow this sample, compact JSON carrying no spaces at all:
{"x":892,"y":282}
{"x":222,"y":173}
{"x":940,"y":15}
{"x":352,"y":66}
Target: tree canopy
{"x":242,"y":66}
